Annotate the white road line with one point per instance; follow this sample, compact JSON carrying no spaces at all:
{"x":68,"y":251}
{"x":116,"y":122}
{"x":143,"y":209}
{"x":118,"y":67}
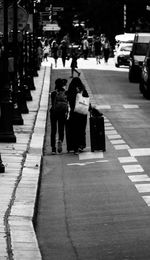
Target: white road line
{"x":114,"y":136}
{"x":121,"y":147}
{"x":140,"y":152}
{"x":132,"y":168}
{"x":117,"y":141}
{"x":111,"y":132}
{"x":127,"y":159}
{"x":142,"y":188}
{"x":109,"y":128}
{"x":130,"y":106}
{"x":103,"y":106}
{"x":146,"y":199}
{"x":108,"y":124}
{"x":139,"y":178}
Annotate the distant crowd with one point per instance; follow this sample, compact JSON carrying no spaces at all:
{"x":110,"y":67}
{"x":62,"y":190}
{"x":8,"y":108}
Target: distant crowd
{"x":99,"y":48}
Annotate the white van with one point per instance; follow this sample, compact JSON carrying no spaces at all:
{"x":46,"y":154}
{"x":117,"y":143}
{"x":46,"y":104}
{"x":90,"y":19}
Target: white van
{"x":138,"y":52}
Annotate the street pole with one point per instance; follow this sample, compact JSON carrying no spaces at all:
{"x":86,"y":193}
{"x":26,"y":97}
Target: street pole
{"x":6,"y":106}
{"x":17,"y":118}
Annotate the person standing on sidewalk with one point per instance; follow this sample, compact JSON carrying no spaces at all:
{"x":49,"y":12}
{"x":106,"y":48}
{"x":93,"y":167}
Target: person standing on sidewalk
{"x":58,"y":114}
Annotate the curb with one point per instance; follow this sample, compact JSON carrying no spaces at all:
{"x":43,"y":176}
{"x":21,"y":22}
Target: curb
{"x":17,"y":235}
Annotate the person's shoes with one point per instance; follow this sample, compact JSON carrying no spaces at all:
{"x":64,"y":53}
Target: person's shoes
{"x":76,"y":152}
{"x":53,"y":151}
{"x":80,"y":149}
{"x":59,"y":148}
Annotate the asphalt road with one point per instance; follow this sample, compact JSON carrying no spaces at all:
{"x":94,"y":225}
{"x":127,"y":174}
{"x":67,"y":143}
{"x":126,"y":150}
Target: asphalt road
{"x":96,"y":207}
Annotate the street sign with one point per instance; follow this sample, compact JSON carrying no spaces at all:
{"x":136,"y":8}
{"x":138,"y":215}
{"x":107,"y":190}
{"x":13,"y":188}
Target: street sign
{"x":58,"y":8}
{"x":51,"y":27}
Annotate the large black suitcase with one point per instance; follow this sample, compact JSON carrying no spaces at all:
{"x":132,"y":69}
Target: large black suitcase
{"x":97,"y":133}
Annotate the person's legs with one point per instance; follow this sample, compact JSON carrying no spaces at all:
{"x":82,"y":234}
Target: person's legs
{"x":53,"y":132}
{"x":77,"y":72}
{"x":61,"y":127}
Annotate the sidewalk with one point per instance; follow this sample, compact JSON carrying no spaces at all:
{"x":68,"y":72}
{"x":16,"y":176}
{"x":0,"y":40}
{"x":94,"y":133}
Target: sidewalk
{"x":19,"y":183}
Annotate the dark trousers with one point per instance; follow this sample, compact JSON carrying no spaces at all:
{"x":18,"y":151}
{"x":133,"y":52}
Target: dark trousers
{"x":78,"y":128}
{"x":57,"y":123}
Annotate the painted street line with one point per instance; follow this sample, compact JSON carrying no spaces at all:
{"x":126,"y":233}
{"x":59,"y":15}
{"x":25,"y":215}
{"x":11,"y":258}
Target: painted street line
{"x":132,"y":168}
{"x":142,"y":188}
{"x":85,"y":163}
{"x":91,"y":155}
{"x":114,"y":136}
{"x":130,"y":106}
{"x":109,"y":128}
{"x":103,"y":106}
{"x":111,"y":132}
{"x":79,"y":164}
{"x":139,"y":178}
{"x":108,"y":124}
{"x":117,"y":141}
{"x":106,"y":120}
{"x":140,"y":152}
{"x":146,"y":199}
{"x":122,"y":147}
{"x":127,"y":159}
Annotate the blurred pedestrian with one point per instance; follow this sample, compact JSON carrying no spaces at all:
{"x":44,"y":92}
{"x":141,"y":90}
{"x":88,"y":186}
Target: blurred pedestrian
{"x":85,"y":46}
{"x":74,"y":63}
{"x":78,"y":121}
{"x":106,"y":49}
{"x":97,"y":49}
{"x":63,"y":48}
{"x":58,"y":114}
{"x":54,"y":49}
{"x":46,"y":50}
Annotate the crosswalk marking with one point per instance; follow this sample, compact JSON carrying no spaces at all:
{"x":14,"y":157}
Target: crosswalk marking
{"x":121,"y":147}
{"x":132,"y":168}
{"x":143,"y":188}
{"x":117,"y":141}
{"x":127,"y":159}
{"x":140,"y":152}
{"x":139,"y":178}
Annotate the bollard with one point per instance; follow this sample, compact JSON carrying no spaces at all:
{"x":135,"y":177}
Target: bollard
{"x":2,"y":168}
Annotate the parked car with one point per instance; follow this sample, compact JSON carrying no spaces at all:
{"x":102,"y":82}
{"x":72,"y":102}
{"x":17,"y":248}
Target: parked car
{"x":138,"y":52}
{"x":144,"y":84}
{"x":122,"y":54}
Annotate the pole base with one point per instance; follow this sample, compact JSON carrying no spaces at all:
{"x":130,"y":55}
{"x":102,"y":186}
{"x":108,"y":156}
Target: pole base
{"x":6,"y":127}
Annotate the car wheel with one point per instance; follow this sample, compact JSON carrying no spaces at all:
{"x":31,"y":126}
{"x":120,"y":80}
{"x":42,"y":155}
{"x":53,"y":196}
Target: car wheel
{"x":116,"y":65}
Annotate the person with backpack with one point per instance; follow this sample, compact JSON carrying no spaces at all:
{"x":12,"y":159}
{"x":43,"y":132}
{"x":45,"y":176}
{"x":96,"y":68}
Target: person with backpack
{"x":58,"y":114}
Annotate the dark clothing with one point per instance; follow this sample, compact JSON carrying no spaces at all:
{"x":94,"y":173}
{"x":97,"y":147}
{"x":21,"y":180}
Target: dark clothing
{"x":74,"y":61}
{"x":63,"y":53}
{"x":57,"y":121}
{"x":78,"y":121}
{"x":97,"y":47}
